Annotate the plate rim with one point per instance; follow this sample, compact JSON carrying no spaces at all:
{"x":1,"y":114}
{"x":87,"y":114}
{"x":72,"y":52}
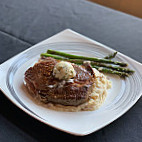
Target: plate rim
{"x":78,"y":134}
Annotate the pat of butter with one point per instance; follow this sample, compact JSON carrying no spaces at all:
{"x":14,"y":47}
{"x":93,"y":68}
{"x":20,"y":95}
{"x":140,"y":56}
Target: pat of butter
{"x":64,"y":71}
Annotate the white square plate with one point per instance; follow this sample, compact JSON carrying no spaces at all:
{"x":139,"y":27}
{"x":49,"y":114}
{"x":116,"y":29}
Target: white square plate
{"x":121,"y":97}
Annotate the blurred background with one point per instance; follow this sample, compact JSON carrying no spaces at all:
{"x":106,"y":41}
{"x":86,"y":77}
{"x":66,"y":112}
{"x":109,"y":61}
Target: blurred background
{"x":133,"y":7}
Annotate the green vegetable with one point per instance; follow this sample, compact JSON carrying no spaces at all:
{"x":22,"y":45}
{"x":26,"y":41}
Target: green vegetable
{"x":107,"y":70}
{"x":117,"y":68}
{"x":99,"y":64}
{"x":86,"y":58}
{"x":111,"y":56}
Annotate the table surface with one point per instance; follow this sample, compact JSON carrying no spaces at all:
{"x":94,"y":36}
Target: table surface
{"x":25,"y":23}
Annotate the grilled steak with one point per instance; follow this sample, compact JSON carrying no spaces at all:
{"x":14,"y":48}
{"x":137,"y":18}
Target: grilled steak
{"x":41,"y":82}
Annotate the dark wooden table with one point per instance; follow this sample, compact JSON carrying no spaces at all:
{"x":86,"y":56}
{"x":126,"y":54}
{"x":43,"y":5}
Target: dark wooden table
{"x":25,"y":23}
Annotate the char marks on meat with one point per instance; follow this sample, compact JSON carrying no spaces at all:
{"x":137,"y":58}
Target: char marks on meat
{"x":40,"y":81}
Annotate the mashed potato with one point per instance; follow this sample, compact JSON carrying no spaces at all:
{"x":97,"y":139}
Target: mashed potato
{"x":97,"y":97}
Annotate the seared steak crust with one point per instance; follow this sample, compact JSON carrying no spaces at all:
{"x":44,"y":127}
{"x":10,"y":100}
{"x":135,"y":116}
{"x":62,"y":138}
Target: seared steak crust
{"x":41,"y":82}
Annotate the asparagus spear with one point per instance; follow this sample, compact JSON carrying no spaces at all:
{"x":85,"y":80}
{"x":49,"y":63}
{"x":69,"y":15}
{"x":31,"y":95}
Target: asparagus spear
{"x":86,"y":58}
{"x":107,"y":70}
{"x":51,"y":55}
{"x":113,"y":67}
{"x":121,"y":69}
{"x":117,"y":68}
{"x":76,"y":61}
{"x":111,"y":56}
{"x":100,"y":66}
